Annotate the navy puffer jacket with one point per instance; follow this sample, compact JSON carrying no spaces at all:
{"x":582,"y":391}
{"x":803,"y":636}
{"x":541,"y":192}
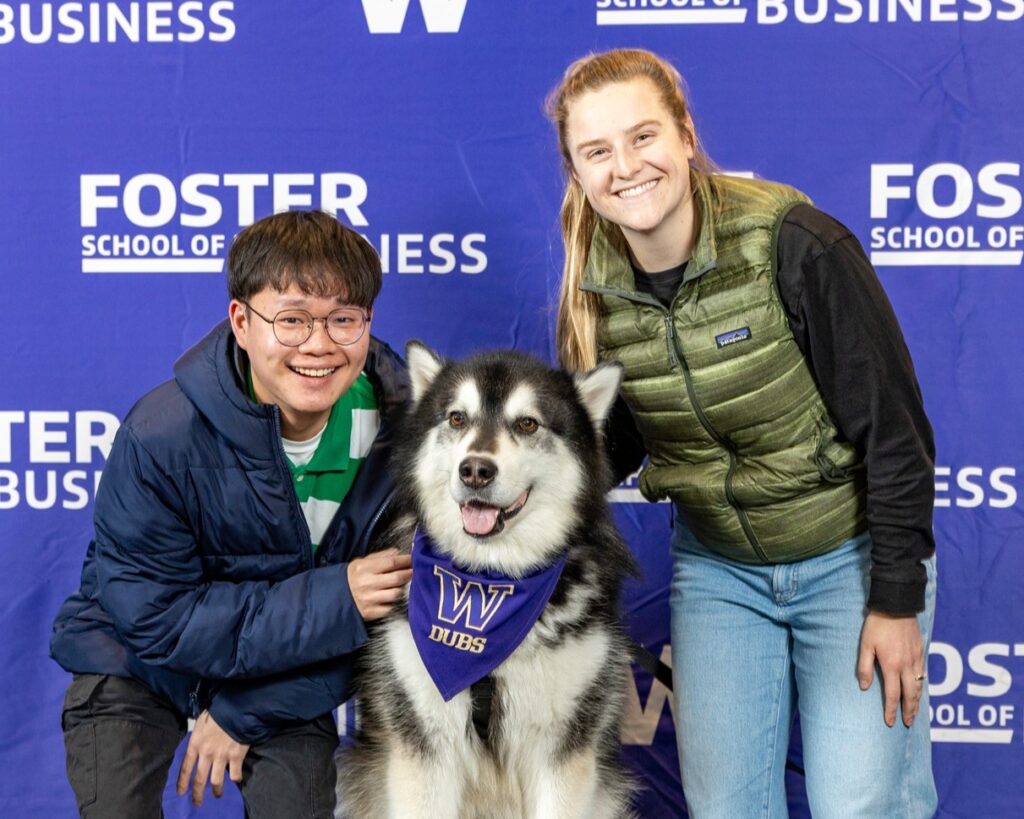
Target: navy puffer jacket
{"x":201,"y":568}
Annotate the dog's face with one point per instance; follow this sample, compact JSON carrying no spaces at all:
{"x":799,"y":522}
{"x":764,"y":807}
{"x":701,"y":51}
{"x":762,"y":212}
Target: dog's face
{"x":502,"y":448}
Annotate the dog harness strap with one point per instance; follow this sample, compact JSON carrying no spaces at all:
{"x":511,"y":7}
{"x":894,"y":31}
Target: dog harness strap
{"x":482,"y":694}
{"x":651,"y":664}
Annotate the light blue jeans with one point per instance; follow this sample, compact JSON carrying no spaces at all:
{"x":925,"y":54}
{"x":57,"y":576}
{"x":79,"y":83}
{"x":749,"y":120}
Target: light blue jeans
{"x":753,"y":644}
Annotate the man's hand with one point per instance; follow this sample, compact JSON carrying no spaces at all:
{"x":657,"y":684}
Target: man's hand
{"x":377,"y":581}
{"x":894,"y":642}
{"x":210,"y":751}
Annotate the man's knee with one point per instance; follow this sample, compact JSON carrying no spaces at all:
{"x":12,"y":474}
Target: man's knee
{"x":120,"y":739}
{"x":293,"y":772}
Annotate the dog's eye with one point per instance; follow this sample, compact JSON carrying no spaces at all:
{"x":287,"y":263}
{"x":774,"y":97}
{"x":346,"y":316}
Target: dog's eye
{"x":527,"y":425}
{"x":456,"y":419}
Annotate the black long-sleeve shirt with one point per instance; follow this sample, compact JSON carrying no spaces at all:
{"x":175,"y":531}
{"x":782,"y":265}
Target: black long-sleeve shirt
{"x":845,"y":326}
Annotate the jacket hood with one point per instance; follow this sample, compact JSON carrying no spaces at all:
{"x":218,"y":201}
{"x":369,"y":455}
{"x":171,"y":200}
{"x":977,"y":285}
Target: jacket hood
{"x":211,"y":376}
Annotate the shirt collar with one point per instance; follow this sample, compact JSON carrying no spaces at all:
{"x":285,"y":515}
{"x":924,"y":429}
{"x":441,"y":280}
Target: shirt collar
{"x":333,"y":453}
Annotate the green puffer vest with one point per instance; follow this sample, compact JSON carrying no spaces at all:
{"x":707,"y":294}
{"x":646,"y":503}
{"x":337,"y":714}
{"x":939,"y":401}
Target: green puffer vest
{"x":737,"y":433}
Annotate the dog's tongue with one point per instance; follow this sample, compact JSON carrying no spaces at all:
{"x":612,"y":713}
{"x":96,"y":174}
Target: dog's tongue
{"x":478,"y":519}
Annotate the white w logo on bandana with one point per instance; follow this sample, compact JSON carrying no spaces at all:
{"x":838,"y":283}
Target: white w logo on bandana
{"x":467,"y":602}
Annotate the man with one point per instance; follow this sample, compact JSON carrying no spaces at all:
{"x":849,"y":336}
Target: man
{"x":226,"y":579}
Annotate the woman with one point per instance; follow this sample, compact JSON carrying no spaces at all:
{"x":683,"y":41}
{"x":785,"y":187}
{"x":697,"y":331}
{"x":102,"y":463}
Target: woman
{"x":776,"y":400}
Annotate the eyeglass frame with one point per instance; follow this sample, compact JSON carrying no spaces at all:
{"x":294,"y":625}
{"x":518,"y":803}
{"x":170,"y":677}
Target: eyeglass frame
{"x":312,"y":324}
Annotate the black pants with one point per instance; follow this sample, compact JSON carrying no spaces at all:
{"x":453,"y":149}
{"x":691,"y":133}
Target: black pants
{"x":120,"y":740}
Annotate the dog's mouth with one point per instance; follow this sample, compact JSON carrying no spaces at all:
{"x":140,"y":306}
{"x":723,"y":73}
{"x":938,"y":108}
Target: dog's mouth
{"x":480,"y":519}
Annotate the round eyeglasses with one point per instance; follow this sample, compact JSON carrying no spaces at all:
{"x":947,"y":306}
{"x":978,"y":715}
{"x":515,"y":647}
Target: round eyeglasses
{"x":293,"y":328}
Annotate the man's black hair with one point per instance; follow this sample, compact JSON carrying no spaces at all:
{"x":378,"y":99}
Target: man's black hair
{"x":310,"y":249}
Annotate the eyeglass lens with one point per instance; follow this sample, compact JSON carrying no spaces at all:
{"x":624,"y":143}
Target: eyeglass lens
{"x":344,"y":326}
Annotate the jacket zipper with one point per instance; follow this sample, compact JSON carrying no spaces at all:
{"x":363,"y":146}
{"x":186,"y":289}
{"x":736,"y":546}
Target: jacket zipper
{"x":377,"y":516}
{"x":680,"y":360}
{"x":368,"y":532}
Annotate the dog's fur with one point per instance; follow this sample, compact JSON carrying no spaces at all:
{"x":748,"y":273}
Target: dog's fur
{"x":552,"y":743}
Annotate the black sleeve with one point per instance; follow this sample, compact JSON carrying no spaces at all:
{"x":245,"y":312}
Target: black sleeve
{"x":846,"y":328}
{"x":626,"y":449}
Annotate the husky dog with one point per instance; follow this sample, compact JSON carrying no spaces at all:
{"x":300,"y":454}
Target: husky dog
{"x":504,"y":484}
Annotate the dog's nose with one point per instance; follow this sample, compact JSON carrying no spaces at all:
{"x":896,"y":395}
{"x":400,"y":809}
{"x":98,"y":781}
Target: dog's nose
{"x":476,"y":473}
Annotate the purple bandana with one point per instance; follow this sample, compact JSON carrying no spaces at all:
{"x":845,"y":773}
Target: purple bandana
{"x":465,"y":625}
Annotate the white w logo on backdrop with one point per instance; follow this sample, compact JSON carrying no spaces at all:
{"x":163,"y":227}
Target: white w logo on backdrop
{"x":388,"y":16}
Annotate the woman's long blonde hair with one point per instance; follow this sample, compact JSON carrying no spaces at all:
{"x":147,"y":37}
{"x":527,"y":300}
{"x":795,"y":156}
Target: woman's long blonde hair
{"x":578,"y":311}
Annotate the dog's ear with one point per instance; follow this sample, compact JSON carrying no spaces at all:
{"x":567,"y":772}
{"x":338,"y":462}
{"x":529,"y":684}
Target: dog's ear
{"x":598,"y":389}
{"x":424,"y":365}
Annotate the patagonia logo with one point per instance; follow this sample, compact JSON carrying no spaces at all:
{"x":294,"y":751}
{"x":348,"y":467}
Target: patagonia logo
{"x":732,"y":337}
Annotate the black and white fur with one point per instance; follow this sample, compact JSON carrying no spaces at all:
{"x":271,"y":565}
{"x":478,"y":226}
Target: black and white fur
{"x":552,"y":743}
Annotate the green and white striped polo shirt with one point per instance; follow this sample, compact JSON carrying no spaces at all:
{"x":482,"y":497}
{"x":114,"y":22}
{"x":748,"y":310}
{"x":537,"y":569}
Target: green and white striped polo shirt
{"x":324,"y":467}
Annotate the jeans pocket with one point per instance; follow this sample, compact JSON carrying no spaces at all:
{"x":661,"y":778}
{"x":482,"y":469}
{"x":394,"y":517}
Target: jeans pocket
{"x":80,"y":745}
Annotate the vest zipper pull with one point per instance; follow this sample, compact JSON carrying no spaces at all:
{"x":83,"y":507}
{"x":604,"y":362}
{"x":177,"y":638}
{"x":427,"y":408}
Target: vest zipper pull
{"x":670,"y":332}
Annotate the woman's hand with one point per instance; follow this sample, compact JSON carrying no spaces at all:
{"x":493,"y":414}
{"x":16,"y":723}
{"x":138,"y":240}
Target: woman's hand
{"x":894,"y":643}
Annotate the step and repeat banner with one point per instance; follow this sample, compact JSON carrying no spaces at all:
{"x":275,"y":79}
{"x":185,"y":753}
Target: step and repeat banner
{"x":136,"y":138}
